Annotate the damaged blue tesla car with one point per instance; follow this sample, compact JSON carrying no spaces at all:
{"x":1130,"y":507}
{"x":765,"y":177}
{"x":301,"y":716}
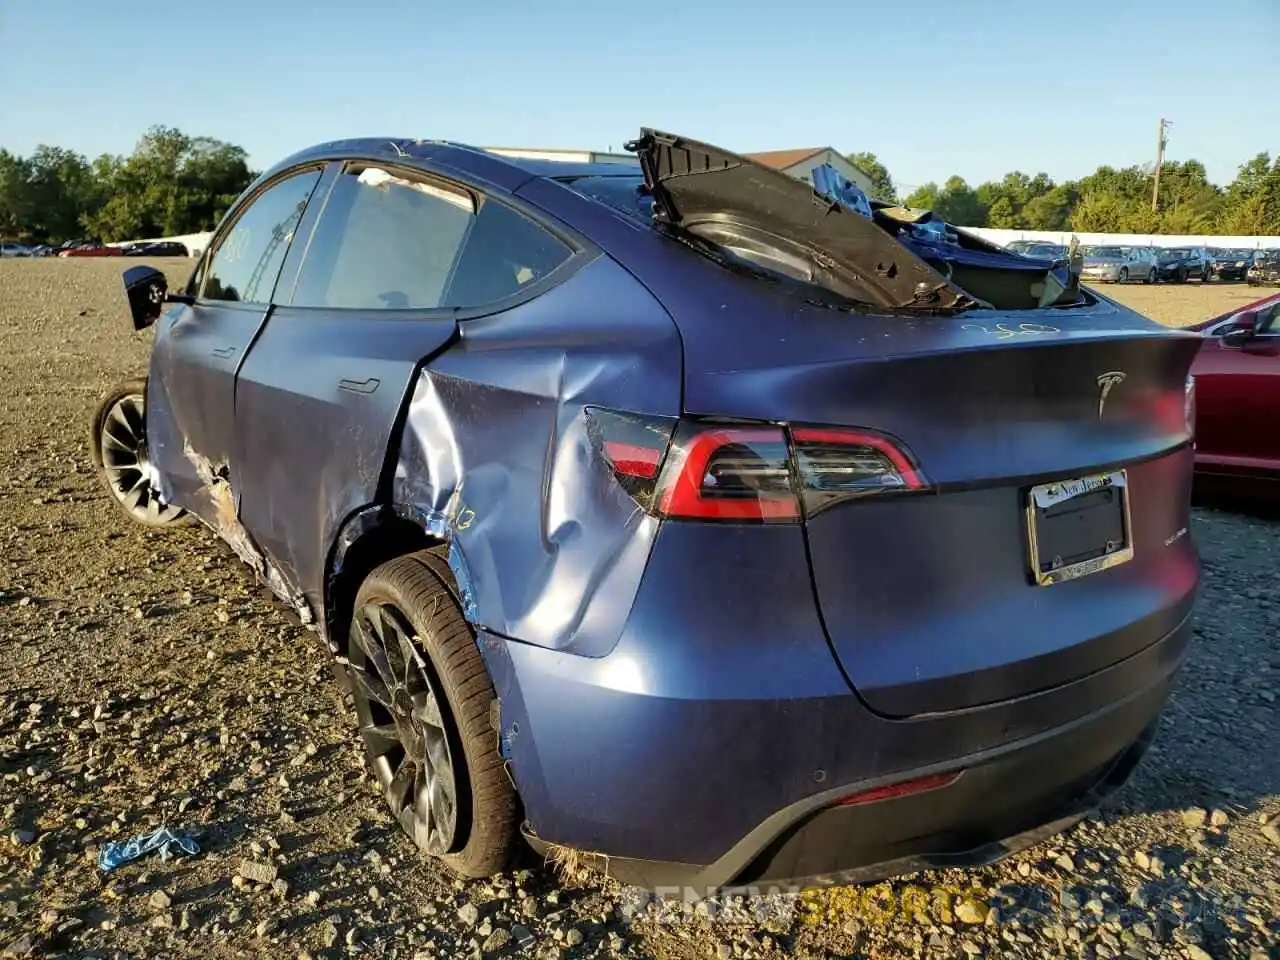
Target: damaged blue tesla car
{"x":720,"y":528}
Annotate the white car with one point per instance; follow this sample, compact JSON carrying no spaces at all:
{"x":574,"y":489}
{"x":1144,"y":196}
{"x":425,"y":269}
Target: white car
{"x":8,"y":249}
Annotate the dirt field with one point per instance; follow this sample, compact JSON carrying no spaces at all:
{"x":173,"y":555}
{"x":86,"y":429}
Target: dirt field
{"x":145,"y":680}
{"x":1180,"y":304}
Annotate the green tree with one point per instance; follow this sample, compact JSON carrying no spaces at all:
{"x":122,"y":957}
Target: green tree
{"x":171,"y":184}
{"x":925,"y":197}
{"x":60,"y":189}
{"x":15,"y":199}
{"x":955,"y":201}
{"x":1002,"y":213}
{"x":882,"y":187}
{"x":1050,"y":210}
{"x":1251,"y":204}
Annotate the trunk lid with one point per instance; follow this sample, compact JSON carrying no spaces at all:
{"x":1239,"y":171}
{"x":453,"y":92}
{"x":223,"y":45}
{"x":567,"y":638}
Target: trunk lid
{"x":929,"y":599}
{"x":751,"y":216}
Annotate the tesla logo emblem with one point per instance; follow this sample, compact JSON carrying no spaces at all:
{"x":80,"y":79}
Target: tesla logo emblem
{"x":1105,"y":383}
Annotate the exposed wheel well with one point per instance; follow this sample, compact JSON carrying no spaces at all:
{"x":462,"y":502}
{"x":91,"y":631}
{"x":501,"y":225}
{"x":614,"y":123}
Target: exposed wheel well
{"x":392,"y":537}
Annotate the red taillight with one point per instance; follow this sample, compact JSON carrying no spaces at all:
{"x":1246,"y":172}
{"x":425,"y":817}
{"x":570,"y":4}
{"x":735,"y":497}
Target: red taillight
{"x":903,"y":789}
{"x":631,"y":460}
{"x":728,"y":473}
{"x":758,"y":473}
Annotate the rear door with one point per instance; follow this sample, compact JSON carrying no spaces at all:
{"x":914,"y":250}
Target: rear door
{"x":198,"y":348}
{"x":395,"y":257}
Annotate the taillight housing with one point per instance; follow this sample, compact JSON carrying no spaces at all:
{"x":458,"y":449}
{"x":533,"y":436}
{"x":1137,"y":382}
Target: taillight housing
{"x":833,"y":465}
{"x":747,"y":473}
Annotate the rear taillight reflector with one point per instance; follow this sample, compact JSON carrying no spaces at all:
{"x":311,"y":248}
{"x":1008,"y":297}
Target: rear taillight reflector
{"x":905,"y":788}
{"x":632,"y":460}
{"x":633,"y":447}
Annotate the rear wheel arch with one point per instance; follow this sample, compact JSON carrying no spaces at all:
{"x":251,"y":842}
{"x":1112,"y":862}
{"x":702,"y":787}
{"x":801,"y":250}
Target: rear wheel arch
{"x":368,"y":538}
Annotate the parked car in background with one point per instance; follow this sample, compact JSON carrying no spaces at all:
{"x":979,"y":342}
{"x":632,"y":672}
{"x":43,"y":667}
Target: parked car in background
{"x":1229,"y":264}
{"x":92,"y":250}
{"x":1022,"y":246}
{"x":1237,"y":415}
{"x":645,"y":515}
{"x":11,"y":249}
{"x":1046,"y":251}
{"x":1118,"y":264}
{"x":161,"y":248}
{"x":1265,"y":270}
{"x":1180,"y":264}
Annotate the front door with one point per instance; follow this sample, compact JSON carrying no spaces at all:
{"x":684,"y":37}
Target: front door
{"x":199,"y":348}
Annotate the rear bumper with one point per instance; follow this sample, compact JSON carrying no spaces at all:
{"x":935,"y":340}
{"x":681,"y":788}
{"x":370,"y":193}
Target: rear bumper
{"x":1004,"y":801}
{"x":699,"y":757}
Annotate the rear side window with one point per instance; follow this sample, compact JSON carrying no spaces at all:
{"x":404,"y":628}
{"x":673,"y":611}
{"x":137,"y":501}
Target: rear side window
{"x":249,"y":255}
{"x":392,"y":241}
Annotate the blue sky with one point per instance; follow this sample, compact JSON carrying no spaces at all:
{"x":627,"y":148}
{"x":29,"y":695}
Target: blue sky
{"x":934,"y":87}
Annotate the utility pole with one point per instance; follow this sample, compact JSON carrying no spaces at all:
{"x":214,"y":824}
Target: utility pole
{"x":1160,"y":145}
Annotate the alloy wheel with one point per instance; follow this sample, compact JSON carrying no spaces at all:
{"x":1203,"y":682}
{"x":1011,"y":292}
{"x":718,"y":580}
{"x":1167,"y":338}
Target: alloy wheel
{"x":404,"y":725}
{"x":123,"y":444}
{"x":1124,"y":274}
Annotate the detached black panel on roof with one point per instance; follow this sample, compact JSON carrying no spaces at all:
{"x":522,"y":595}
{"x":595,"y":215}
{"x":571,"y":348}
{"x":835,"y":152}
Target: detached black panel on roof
{"x":698,"y":186}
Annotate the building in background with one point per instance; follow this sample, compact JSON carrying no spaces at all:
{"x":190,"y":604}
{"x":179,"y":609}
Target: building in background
{"x":801,"y":164}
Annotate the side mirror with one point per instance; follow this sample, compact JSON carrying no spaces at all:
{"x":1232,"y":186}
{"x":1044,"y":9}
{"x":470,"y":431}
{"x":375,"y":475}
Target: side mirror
{"x":1243,"y":329}
{"x":146,"y":288}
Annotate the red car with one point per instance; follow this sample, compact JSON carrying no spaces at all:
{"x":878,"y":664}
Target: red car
{"x":91,"y":250}
{"x":1238,"y":397}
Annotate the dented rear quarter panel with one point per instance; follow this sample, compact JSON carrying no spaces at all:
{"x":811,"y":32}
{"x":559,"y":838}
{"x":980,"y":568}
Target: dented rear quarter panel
{"x":495,"y":457}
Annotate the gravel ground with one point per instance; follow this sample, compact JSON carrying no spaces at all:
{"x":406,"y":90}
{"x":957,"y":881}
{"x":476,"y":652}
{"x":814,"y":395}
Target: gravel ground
{"x":146,"y":680}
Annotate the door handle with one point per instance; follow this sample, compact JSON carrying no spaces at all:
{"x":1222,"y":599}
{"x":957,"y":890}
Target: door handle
{"x":359,"y":386}
{"x":224,"y":353}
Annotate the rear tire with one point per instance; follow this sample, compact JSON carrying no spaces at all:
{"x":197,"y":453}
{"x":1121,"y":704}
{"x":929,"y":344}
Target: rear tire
{"x":1124,"y":275}
{"x":423,"y":698}
{"x":118,"y":448}
{"x":1151,"y":275}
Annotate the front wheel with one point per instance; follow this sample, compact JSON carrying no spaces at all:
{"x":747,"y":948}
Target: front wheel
{"x":423,"y":698}
{"x":1124,"y":274}
{"x":118,"y":447}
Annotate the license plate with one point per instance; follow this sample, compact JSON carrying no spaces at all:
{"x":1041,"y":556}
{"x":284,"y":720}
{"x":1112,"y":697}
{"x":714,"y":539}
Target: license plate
{"x":1078,"y":527}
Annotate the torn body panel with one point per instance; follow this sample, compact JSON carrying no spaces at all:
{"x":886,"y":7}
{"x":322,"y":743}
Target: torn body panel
{"x":227,"y":525}
{"x":496,"y":458}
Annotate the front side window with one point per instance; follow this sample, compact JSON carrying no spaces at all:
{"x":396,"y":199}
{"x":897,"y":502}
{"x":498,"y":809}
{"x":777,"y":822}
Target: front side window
{"x":389,"y":240}
{"x":248,"y":258}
